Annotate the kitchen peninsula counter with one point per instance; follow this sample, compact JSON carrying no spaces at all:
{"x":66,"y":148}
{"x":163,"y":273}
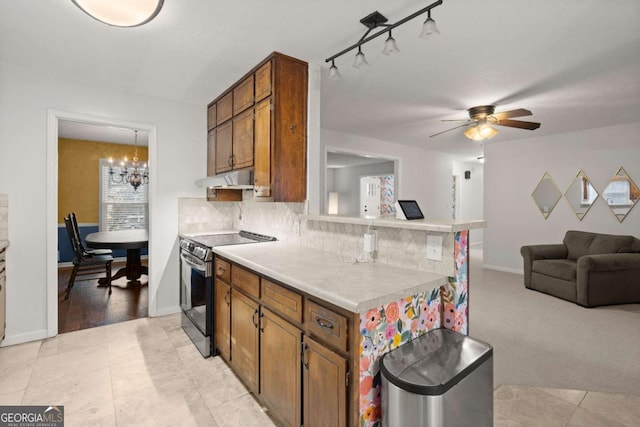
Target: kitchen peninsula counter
{"x":355,"y":287}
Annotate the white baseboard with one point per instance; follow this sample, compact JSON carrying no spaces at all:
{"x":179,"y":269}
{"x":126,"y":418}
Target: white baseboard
{"x":23,"y":338}
{"x":166,"y":311}
{"x":505,"y":269}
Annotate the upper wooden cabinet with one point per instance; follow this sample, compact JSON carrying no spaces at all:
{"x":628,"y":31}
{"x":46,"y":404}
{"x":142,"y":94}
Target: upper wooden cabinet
{"x":243,"y":95}
{"x":224,"y":108}
{"x":263,"y":81}
{"x":269,"y":110}
{"x":211,"y":116}
{"x":222,"y":152}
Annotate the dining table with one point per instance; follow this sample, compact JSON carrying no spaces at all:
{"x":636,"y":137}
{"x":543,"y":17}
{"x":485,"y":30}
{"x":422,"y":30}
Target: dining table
{"x":133,"y":240}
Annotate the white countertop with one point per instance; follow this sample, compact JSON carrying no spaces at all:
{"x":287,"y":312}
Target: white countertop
{"x":441,"y":226}
{"x":354,"y":287}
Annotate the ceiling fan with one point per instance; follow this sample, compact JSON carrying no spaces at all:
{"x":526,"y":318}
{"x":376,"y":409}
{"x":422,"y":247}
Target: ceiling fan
{"x":482,"y":119}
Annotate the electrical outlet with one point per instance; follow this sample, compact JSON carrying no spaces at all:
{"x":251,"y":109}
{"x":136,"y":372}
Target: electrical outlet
{"x":296,"y":228}
{"x":434,"y":248}
{"x":370,"y":241}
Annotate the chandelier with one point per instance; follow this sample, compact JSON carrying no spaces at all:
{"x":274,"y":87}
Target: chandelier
{"x":130,"y":172}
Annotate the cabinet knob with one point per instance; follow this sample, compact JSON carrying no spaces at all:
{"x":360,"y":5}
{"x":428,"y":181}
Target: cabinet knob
{"x":293,"y":128}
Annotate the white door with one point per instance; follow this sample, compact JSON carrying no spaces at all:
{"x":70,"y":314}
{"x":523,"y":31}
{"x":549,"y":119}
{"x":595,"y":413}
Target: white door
{"x":369,"y":197}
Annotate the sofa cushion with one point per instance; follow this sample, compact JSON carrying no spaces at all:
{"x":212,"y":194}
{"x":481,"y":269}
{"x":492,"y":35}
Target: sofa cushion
{"x":580,"y":243}
{"x":561,"y":268}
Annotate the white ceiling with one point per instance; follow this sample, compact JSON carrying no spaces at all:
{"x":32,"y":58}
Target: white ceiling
{"x":574,"y":63}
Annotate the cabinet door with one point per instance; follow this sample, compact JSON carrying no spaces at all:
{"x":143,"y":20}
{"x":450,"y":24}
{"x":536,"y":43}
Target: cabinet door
{"x":243,"y":95}
{"x":222,"y":319}
{"x":244,"y":338}
{"x":3,"y":293}
{"x":325,"y":386}
{"x":211,"y":117}
{"x":211,"y":152}
{"x":280,"y":382}
{"x":224,"y":108}
{"x":262,"y":161}
{"x":223,"y":147}
{"x":263,"y":81}
{"x":243,"y":140}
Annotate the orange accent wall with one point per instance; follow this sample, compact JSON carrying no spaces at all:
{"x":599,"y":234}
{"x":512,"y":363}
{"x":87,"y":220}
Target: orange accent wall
{"x":78,"y":175}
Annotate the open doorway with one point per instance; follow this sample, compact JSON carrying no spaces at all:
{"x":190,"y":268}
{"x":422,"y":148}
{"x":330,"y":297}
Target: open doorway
{"x":359,"y":184}
{"x":92,"y":301}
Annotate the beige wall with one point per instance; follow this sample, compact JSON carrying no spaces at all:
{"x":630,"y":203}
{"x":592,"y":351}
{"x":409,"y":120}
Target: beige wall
{"x":78,"y":175}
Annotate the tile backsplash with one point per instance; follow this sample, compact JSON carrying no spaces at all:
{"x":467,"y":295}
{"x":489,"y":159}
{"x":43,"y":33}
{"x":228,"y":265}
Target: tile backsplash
{"x":398,"y":247}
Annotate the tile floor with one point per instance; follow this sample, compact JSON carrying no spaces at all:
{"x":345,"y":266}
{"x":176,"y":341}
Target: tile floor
{"x":146,"y":372}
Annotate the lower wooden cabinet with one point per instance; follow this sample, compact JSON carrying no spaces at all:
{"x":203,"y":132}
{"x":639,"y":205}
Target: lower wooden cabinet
{"x":324,"y":386}
{"x":244,"y":338}
{"x":280,"y":360}
{"x":222,"y":319}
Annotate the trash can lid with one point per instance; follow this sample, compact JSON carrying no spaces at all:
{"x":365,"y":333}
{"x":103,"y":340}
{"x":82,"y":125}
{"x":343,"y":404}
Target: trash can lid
{"x":434,"y":362}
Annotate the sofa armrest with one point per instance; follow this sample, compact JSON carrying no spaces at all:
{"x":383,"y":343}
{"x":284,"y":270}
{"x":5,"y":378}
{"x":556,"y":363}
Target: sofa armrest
{"x":534,"y":252}
{"x":609,"y":262}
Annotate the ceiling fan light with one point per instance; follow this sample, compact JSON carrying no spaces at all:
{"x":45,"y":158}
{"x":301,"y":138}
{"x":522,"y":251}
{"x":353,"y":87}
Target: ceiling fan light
{"x":334,"y":73}
{"x":473,"y":133}
{"x":429,"y":28}
{"x":360,"y":60}
{"x":121,"y":13}
{"x":486,"y":131}
{"x":390,"y":46}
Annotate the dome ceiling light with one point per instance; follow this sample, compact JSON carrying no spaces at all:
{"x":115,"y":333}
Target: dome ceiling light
{"x":121,"y":13}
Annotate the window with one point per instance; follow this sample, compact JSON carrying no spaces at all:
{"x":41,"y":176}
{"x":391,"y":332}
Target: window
{"x":121,"y":207}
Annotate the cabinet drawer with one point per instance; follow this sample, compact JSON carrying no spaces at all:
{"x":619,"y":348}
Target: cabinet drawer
{"x":243,"y":95}
{"x":286,"y":302}
{"x":326,"y":325}
{"x":224,"y":109}
{"x":246,"y":281}
{"x":263,"y":81}
{"x":223,"y":270}
{"x":211,"y":117}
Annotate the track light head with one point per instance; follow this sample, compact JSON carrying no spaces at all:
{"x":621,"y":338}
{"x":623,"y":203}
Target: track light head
{"x":390,"y":46}
{"x":334,"y":73}
{"x":361,"y":60}
{"x":429,"y":28}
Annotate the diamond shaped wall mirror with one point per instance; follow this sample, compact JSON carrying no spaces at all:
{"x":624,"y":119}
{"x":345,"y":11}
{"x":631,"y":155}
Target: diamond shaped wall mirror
{"x":546,"y":195}
{"x":621,"y":194}
{"x":581,"y":194}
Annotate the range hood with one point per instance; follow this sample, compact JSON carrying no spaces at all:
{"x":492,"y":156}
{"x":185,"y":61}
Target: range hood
{"x":239,"y":180}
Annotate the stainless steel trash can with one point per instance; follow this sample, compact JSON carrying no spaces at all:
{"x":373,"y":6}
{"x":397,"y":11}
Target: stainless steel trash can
{"x":442,"y":378}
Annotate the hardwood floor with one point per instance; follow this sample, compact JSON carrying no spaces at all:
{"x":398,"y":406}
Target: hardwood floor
{"x":90,"y":305}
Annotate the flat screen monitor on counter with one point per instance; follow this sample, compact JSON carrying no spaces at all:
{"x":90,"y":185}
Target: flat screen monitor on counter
{"x":408,"y":209}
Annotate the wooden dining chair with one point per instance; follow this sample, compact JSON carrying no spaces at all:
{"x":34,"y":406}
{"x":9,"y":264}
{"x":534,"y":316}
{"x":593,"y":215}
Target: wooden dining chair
{"x":85,"y":264}
{"x":86,"y":251}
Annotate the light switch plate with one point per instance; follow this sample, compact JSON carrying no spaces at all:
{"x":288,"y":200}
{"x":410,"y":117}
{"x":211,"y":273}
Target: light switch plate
{"x":434,"y":247}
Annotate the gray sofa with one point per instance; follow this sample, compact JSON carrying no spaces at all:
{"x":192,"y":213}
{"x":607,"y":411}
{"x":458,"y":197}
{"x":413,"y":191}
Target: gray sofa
{"x":589,"y":269}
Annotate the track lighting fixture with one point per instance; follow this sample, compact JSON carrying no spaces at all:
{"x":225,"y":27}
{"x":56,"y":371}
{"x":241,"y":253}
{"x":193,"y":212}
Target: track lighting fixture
{"x":429,"y":27}
{"x":390,"y":46}
{"x":375,"y":20}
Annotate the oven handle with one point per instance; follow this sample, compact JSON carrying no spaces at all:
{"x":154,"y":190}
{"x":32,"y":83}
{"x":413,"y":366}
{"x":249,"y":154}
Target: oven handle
{"x":192,"y":261}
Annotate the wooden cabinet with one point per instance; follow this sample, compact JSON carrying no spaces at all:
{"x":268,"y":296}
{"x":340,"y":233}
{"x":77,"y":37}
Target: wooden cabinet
{"x":324,"y":386}
{"x":243,"y":140}
{"x":224,"y":108}
{"x":211,"y":152}
{"x":275,"y":141}
{"x":211,"y":116}
{"x":262,"y":147}
{"x":243,"y":95}
{"x":222,"y":319}
{"x":263,"y":81}
{"x":223,"y":150}
{"x":244,"y":338}
{"x":291,"y":351}
{"x":280,"y":382}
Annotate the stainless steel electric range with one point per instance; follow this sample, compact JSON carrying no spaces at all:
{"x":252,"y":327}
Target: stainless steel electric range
{"x":196,"y":282}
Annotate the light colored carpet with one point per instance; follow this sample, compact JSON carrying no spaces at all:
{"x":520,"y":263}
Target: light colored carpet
{"x":540,"y":340}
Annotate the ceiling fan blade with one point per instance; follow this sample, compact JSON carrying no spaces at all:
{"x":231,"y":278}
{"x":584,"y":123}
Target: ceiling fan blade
{"x":518,"y":124}
{"x":455,"y":120}
{"x":457,"y":127}
{"x":520,"y":112}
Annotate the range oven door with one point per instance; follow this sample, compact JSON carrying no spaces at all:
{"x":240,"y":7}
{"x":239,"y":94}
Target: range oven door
{"x":196,"y":300}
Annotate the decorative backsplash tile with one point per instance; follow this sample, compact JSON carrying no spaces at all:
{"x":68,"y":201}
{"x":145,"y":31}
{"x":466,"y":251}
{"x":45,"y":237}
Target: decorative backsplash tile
{"x":198,"y":216}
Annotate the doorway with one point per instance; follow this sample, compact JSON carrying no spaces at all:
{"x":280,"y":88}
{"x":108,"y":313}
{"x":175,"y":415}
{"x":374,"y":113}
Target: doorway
{"x":54,"y":119}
